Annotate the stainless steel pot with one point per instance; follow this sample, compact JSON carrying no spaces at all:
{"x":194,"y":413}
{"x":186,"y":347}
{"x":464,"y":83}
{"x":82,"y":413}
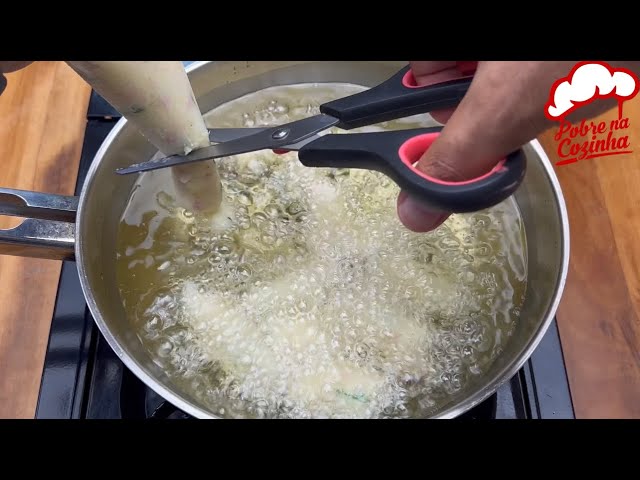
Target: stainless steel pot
{"x":84,"y":229}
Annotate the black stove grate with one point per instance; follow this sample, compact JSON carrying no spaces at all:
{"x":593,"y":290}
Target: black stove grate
{"x":84,"y":378}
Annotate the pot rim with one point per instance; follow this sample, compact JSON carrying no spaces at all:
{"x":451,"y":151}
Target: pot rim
{"x":496,"y":382}
{"x":505,"y":375}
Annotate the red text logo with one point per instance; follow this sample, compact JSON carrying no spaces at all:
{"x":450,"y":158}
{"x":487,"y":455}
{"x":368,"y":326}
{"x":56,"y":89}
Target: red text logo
{"x":586,"y":83}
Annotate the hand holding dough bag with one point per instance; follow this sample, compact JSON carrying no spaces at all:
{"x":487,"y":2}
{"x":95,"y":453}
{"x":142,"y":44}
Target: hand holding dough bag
{"x":157,"y":98}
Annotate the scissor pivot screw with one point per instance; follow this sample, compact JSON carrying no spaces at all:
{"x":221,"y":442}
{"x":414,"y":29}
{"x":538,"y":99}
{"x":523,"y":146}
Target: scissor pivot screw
{"x":280,"y":134}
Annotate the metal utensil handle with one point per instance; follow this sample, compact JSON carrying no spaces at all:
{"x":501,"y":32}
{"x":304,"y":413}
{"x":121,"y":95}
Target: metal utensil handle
{"x":48,"y":230}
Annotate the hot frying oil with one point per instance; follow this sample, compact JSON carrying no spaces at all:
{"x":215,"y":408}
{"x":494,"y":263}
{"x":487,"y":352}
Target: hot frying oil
{"x":305,"y":297}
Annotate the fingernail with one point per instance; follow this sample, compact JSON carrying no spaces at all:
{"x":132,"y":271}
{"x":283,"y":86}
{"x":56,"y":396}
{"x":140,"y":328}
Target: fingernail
{"x":417,"y":217}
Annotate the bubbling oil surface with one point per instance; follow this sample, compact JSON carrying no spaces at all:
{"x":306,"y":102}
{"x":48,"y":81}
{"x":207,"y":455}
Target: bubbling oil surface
{"x":305,"y":297}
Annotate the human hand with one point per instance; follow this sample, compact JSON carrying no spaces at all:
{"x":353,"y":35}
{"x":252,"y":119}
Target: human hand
{"x":502,"y":110}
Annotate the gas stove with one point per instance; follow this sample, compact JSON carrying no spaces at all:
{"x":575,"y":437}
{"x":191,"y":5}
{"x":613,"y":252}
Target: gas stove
{"x":84,"y":379}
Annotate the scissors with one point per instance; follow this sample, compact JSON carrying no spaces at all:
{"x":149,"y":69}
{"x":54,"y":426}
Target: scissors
{"x":393,"y":153}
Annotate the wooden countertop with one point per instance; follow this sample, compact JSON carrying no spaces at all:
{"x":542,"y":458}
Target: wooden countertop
{"x":42,"y":122}
{"x":42,"y":126}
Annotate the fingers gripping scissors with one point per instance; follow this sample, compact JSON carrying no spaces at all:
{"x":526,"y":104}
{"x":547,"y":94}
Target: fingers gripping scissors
{"x":393,"y":153}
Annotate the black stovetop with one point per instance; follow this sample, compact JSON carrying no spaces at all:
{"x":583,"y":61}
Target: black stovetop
{"x":83,"y":378}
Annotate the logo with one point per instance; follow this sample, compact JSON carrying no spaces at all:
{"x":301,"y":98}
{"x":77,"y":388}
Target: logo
{"x":586,"y":83}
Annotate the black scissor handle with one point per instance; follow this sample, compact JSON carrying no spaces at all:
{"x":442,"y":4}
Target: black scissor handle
{"x":397,"y":97}
{"x":395,"y":153}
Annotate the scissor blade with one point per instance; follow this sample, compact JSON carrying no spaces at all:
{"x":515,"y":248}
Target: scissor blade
{"x":226,"y":149}
{"x":268,"y":138}
{"x":220,"y":135}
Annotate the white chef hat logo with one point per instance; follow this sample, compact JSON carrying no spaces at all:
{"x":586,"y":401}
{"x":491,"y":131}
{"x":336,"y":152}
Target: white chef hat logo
{"x":587,"y":82}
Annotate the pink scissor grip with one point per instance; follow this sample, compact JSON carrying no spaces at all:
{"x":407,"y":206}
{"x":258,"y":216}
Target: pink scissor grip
{"x":409,"y":80}
{"x":412,"y":150}
{"x":465,"y":68}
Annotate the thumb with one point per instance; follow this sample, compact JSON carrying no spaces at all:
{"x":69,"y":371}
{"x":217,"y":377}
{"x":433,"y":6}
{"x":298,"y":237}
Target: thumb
{"x":453,"y":157}
{"x":445,"y":160}
{"x":482,"y":130}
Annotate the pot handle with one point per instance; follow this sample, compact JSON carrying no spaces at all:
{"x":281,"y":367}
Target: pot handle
{"x":48,"y":230}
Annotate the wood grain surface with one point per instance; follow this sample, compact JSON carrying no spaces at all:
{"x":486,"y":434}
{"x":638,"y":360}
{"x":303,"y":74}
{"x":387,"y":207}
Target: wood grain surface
{"x":599,"y":312}
{"x":42,"y":123}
